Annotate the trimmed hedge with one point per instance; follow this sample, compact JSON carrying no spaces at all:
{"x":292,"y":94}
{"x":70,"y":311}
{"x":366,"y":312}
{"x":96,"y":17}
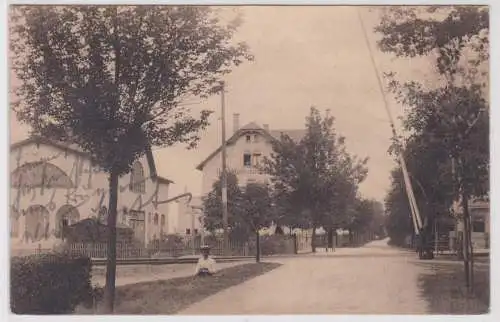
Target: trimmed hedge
{"x":50,"y":283}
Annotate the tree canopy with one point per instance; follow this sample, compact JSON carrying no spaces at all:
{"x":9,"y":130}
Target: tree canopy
{"x":212,"y":205}
{"x":315,"y":179}
{"x":365,"y":215}
{"x":446,"y":125}
{"x":111,"y":79}
{"x":250,"y":209}
{"x":451,"y":33}
{"x":398,"y":215}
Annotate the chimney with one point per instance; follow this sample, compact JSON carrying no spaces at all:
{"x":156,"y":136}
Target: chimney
{"x":236,"y":122}
{"x":266,"y":127}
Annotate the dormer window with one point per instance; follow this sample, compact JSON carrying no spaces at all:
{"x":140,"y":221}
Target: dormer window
{"x":249,"y":138}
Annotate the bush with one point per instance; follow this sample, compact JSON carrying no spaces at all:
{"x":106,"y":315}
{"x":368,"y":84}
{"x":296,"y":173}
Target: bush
{"x":49,"y":283}
{"x":277,"y":244}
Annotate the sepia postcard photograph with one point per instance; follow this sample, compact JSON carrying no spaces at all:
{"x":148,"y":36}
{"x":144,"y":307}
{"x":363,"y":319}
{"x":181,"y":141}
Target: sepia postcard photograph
{"x":200,"y":160}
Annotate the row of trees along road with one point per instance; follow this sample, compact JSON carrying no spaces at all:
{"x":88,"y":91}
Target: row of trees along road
{"x":111,"y":80}
{"x":447,"y":125}
{"x":314,"y":183}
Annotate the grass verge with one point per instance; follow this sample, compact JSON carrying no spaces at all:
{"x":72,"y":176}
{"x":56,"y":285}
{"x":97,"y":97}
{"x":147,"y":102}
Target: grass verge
{"x":444,"y":289}
{"x":170,"y":296}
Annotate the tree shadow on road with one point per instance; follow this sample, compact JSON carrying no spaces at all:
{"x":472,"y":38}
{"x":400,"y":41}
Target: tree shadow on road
{"x":443,"y":287}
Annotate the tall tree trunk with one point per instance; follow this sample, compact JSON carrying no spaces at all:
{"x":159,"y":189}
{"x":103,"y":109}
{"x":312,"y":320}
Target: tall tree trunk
{"x":109,"y":296}
{"x":257,"y":240}
{"x":313,"y":239}
{"x":330,"y":239}
{"x":467,"y":248}
{"x":295,"y":244}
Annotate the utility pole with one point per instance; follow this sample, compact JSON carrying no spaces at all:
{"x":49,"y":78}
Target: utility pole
{"x":225,"y":221}
{"x":415,"y":214}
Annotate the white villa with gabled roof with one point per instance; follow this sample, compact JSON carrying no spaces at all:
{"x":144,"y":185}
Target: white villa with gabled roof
{"x":246,"y":149}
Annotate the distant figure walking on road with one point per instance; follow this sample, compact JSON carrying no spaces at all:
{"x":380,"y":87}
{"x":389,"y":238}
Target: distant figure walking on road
{"x":206,"y":264}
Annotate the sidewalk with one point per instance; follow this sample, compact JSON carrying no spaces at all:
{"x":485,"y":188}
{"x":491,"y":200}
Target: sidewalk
{"x":131,"y":274}
{"x":146,"y":273}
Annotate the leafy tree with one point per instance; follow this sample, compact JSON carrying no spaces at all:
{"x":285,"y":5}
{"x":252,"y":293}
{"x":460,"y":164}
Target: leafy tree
{"x":364,"y":216}
{"x":256,"y":210}
{"x":285,"y":163}
{"x":379,"y":219}
{"x":451,"y":33}
{"x":250,"y":209}
{"x":454,"y":115}
{"x":111,"y":79}
{"x":398,"y":221}
{"x":212,"y":206}
{"x":316,"y":177}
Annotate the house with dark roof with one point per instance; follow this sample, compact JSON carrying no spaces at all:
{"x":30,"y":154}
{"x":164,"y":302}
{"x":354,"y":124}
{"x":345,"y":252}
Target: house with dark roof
{"x":53,"y":185}
{"x":246,"y":149}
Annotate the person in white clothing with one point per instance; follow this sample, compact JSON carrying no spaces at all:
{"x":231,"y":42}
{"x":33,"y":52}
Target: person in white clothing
{"x":206,"y":264}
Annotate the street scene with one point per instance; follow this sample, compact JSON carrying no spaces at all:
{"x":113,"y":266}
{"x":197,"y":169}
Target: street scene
{"x":249,"y":160}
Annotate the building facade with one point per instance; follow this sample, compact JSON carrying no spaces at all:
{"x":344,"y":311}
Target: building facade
{"x":480,"y":223}
{"x":245,"y":150}
{"x":53,"y":185}
{"x":190,"y":221}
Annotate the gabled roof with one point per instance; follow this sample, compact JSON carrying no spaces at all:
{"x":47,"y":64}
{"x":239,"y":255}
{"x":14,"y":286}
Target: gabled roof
{"x":75,"y":149}
{"x":251,"y":126}
{"x":273,"y":135}
{"x":163,"y":180}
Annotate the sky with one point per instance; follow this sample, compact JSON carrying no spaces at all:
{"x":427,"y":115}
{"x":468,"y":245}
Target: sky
{"x":304,"y":56}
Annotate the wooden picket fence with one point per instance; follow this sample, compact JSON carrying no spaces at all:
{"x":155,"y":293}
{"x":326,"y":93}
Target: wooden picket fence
{"x":184,"y":246}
